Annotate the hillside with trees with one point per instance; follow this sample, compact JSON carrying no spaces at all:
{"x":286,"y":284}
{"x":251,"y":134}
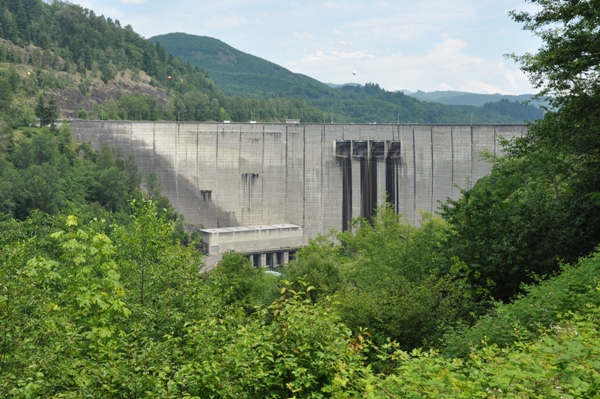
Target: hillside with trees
{"x":238,"y":73}
{"x":475,"y":99}
{"x":95,"y":68}
{"x":498,"y":296}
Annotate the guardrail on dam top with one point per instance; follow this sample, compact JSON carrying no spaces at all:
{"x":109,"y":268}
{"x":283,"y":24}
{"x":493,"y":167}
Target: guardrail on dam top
{"x":317,"y":176}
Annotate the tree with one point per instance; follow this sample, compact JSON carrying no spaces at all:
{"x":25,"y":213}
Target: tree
{"x":293,"y":348}
{"x":6,"y":95}
{"x":237,"y":281}
{"x":47,"y":113}
{"x":541,"y":203}
{"x":565,"y":68}
{"x":51,"y":112}
{"x":40,"y":109}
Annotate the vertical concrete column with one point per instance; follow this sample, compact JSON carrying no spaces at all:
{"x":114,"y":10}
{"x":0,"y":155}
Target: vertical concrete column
{"x":294,"y":182}
{"x":313,"y":179}
{"x":273,"y":174}
{"x":356,"y":187}
{"x":423,"y":152}
{"x":286,"y":258}
{"x":406,"y":170}
{"x":251,"y":259}
{"x":484,"y":137}
{"x":380,"y":165}
{"x":333,"y":182}
{"x":461,"y":158}
{"x":442,"y":164}
{"x":262,"y":260}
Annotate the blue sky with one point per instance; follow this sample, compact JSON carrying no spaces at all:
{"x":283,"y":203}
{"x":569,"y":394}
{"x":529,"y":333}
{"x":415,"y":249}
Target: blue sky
{"x":402,"y":44}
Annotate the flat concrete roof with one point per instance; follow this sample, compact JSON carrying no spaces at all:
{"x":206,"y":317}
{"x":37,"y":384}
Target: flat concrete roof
{"x":250,"y":228}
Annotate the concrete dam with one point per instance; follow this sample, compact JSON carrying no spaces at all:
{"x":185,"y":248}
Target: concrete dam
{"x":289,"y":182}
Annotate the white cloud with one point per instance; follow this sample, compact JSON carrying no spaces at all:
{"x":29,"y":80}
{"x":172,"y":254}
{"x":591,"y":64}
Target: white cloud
{"x":446,"y":65}
{"x":133,"y":1}
{"x":303,"y":36}
{"x":342,"y":6}
{"x":108,"y":11}
{"x":229,"y":22}
{"x":85,"y":4}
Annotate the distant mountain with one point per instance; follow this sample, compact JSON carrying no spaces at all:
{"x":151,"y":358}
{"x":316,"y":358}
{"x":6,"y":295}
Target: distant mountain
{"x":95,"y":68}
{"x":238,"y":73}
{"x":466,"y":98}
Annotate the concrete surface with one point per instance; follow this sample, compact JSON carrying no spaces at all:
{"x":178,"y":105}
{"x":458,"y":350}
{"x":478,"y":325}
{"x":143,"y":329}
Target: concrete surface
{"x":240,"y":174}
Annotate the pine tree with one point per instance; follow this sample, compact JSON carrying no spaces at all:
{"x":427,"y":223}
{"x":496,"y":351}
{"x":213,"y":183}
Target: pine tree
{"x":47,"y":113}
{"x":39,"y":109}
{"x":51,"y":113}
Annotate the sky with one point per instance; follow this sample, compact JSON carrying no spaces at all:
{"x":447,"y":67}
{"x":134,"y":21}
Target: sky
{"x":411,"y":45}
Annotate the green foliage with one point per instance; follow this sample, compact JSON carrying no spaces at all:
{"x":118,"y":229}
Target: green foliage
{"x":126,"y":314}
{"x":564,"y":69}
{"x":89,"y":308}
{"x":99,"y":299}
{"x":237,"y":281}
{"x":46,"y":112}
{"x":44,"y":170}
{"x":517,"y":223}
{"x":539,"y":308}
{"x":69,"y":46}
{"x":539,"y":205}
{"x":320,"y":265}
{"x":235,"y":72}
{"x":61,"y":308}
{"x":403,"y":288}
{"x":390,"y":243}
{"x":138,"y":107}
{"x":294,"y":348}
{"x":82,"y":114}
{"x":68,"y":37}
{"x":391,"y":278}
{"x":6,"y":95}
{"x":562,"y":363}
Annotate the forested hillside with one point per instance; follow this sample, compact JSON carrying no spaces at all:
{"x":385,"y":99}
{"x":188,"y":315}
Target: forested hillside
{"x":96,"y":68}
{"x":370,"y":103}
{"x":238,"y":73}
{"x":464,"y":98}
{"x":498,"y":296}
{"x":235,"y":72}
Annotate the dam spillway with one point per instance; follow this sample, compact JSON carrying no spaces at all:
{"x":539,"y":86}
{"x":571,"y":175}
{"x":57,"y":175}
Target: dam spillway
{"x":317,"y":176}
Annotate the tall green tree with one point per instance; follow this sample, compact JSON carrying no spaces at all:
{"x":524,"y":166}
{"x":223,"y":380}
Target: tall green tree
{"x":6,"y":95}
{"x":541,"y":203}
{"x":46,"y":111}
{"x":565,"y":69}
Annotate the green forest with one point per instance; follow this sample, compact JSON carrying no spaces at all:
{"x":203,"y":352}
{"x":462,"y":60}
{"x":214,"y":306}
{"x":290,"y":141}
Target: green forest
{"x":495,"y":296}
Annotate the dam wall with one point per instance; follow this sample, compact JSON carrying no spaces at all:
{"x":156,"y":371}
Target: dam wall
{"x":317,"y":176}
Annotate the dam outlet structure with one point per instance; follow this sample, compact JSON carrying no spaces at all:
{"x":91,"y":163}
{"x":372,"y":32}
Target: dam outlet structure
{"x":282,"y":184}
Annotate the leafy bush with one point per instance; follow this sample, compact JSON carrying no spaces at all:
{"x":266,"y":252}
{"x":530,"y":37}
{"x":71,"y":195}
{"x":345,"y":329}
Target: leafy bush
{"x":538,"y":308}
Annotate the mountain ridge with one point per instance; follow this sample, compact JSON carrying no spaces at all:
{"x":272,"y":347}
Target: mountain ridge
{"x":93,"y":67}
{"x":228,"y":66}
{"x":239,"y":73}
